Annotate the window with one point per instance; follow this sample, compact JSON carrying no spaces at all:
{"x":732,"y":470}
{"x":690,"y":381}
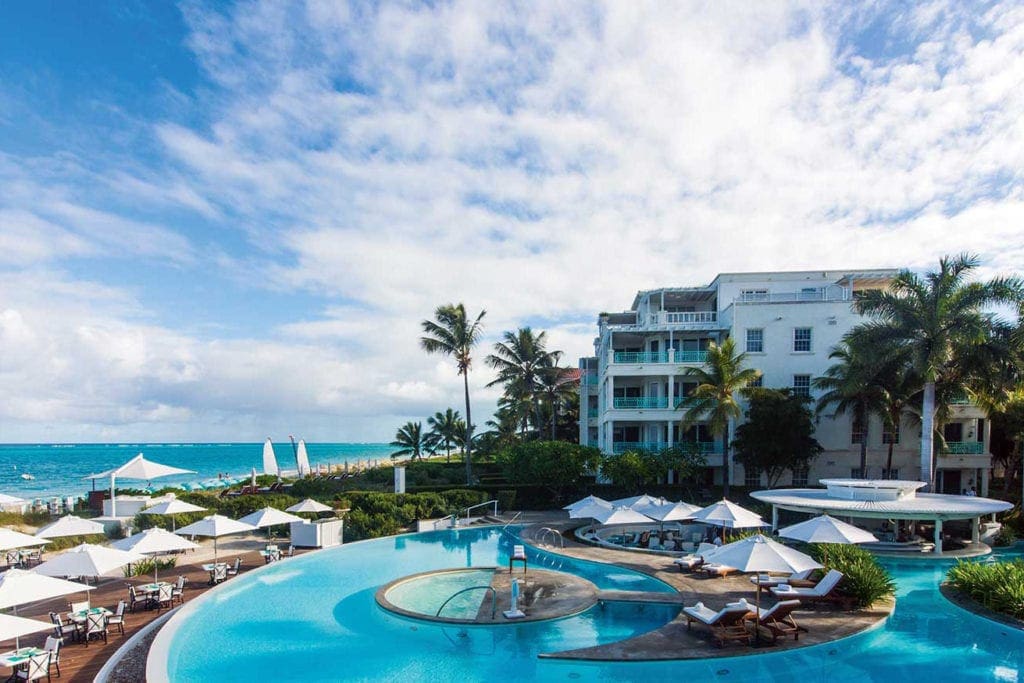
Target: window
{"x":751,"y":477}
{"x":755,"y":340}
{"x":855,"y":473}
{"x":894,"y":473}
{"x":856,"y":431}
{"x":800,"y":476}
{"x":891,"y":437}
{"x":802,"y":339}
{"x":801,"y":385}
{"x":754,"y":295}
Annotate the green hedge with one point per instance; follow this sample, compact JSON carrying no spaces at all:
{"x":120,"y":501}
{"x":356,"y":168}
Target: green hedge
{"x":864,"y":579}
{"x":998,"y":586}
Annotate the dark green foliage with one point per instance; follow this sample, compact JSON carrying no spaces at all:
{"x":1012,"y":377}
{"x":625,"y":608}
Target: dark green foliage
{"x":998,"y":586}
{"x":506,"y":499}
{"x":864,"y":579}
{"x":374,"y":514}
{"x":636,"y":470}
{"x":147,"y":566}
{"x":66,"y":542}
{"x":1006,"y":536}
{"x":778,"y":434}
{"x":555,"y":464}
{"x":28,"y":519}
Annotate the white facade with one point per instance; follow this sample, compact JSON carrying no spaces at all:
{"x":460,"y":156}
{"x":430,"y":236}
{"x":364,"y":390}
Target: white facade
{"x":787,"y":323}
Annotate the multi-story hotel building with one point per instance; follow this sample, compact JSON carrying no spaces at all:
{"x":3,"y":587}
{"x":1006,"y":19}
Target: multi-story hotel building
{"x":787,"y":324}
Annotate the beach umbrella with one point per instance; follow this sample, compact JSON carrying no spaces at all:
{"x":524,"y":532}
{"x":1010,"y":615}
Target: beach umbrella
{"x":214,"y":527}
{"x":11,"y":500}
{"x":70,"y":525}
{"x":758,"y":553}
{"x":728,"y":515}
{"x":584,"y":502}
{"x":12,"y":627}
{"x":136,"y":468}
{"x":20,"y":587}
{"x":642,"y":499}
{"x":87,"y":560}
{"x":269,"y":516}
{"x":827,"y":529}
{"x":589,"y":511}
{"x":155,"y":541}
{"x":309,"y":505}
{"x":11,"y":539}
{"x":619,"y":515}
{"x":172,"y":507}
{"x":669,"y":512}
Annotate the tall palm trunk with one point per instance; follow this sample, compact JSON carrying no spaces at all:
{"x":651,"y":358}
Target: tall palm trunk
{"x":725,"y":463}
{"x":928,"y":436}
{"x":863,"y":442}
{"x":469,"y":430}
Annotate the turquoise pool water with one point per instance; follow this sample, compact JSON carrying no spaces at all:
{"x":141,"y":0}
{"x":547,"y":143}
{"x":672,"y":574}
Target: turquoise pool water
{"x":427,"y":594}
{"x":314,"y":618}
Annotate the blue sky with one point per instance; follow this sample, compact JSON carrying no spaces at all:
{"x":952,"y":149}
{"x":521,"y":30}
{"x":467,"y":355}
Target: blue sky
{"x":226,"y":220}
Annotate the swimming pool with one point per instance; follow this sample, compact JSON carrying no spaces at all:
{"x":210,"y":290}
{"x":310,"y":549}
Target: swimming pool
{"x":314,"y":618}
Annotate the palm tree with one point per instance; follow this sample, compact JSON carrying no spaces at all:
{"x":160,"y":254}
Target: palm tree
{"x":938,"y":321}
{"x":851,"y":386}
{"x":554,"y":386}
{"x":714,"y":399}
{"x":519,"y":360}
{"x":451,"y":333}
{"x":445,"y":429}
{"x":409,"y":440}
{"x":899,"y":386}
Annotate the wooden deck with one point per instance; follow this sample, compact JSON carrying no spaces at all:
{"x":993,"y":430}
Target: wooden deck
{"x":81,"y":663}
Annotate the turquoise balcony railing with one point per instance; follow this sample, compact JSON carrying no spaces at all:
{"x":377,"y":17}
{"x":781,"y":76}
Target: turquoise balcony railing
{"x":639,"y":357}
{"x":691,"y":356}
{"x":704,"y":447}
{"x":592,"y":412}
{"x":964,"y":448}
{"x":640,"y":402}
{"x":960,"y":400}
{"x":589,"y":379}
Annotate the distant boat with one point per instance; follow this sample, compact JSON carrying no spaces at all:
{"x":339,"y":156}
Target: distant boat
{"x":269,"y":459}
{"x":27,"y":476}
{"x":301,"y":459}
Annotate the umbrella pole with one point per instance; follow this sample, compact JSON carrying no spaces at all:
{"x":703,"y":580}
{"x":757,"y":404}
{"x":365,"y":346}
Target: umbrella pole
{"x":757,"y":615}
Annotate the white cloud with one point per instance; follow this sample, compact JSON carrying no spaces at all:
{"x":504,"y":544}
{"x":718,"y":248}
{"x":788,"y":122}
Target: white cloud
{"x":543,"y":164}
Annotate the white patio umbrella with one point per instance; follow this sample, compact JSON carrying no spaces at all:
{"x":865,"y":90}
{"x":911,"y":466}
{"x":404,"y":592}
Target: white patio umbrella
{"x":20,"y":587}
{"x":758,"y":553}
{"x":584,"y":502}
{"x":590,"y":511}
{"x":172,"y":507}
{"x":727,"y":514}
{"x":269,"y":516}
{"x":827,"y":529}
{"x":669,"y":512}
{"x":70,"y":525}
{"x":88,"y":560}
{"x":136,"y":468}
{"x":309,"y":505}
{"x":11,"y":500}
{"x":215,"y":526}
{"x":11,"y":539}
{"x":620,"y":515}
{"x":154,"y":541}
{"x":12,"y":627}
{"x":642,"y":499}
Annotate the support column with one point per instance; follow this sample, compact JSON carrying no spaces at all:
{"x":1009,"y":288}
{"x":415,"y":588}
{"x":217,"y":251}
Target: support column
{"x":775,"y":518}
{"x":976,"y":530}
{"x":938,"y":536}
{"x":983,"y":491}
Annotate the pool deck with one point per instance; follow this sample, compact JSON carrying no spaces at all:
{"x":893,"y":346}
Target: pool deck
{"x":823,"y":622}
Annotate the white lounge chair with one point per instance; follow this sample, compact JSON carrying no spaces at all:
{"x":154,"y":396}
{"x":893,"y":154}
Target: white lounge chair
{"x":726,"y":624}
{"x":694,"y":560}
{"x":821,"y":591}
{"x":779,"y":619}
{"x":764,"y":581}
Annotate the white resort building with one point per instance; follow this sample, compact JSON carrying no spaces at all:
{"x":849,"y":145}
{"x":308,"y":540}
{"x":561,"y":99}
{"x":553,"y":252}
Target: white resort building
{"x":787,"y":323}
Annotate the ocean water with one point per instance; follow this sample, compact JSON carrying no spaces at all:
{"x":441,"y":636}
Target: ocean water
{"x":60,"y":469}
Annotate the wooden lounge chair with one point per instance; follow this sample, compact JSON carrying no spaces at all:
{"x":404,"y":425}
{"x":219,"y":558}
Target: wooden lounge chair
{"x":779,"y":619}
{"x":695,"y":560}
{"x":823,"y":590}
{"x":727,"y":624}
{"x":801,"y":579}
{"x":712,"y":570}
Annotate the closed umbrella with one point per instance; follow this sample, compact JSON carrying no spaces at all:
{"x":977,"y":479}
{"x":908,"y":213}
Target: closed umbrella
{"x":88,"y":560}
{"x":172,"y":507}
{"x":309,"y":505}
{"x":215,"y":526}
{"x":827,"y":529}
{"x":12,"y":627}
{"x":70,"y":525}
{"x":759,"y":553}
{"x":136,"y":468}
{"x":728,"y":515}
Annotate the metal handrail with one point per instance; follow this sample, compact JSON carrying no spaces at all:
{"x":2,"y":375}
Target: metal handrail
{"x":493,"y":502}
{"x":514,"y":518}
{"x":548,"y":531}
{"x":494,"y":599}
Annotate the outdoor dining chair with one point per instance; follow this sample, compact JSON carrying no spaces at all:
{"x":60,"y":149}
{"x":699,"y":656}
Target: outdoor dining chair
{"x":117,"y":619}
{"x":38,"y":666}
{"x":165,"y":596}
{"x":95,"y":626}
{"x":53,"y":647}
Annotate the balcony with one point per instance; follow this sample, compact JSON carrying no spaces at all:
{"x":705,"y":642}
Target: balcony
{"x":589,"y":379}
{"x":964,"y":448}
{"x":691,"y":356}
{"x":592,"y":412}
{"x":640,"y":402}
{"x":642,"y":358}
{"x":830,"y":293}
{"x":703,"y":447}
{"x":688,"y":318}
{"x":960,"y":400}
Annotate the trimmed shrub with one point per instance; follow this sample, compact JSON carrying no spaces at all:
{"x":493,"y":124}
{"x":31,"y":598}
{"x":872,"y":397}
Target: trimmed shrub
{"x":1006,"y":536}
{"x":999,"y":586}
{"x":864,"y":579}
{"x":506,"y":499}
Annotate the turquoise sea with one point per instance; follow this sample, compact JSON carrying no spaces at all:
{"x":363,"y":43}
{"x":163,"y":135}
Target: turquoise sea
{"x":59,"y":469}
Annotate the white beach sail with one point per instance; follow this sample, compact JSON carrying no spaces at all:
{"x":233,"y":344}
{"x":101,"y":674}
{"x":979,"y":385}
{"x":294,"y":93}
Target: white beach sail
{"x":301,"y":459}
{"x":269,"y":460}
